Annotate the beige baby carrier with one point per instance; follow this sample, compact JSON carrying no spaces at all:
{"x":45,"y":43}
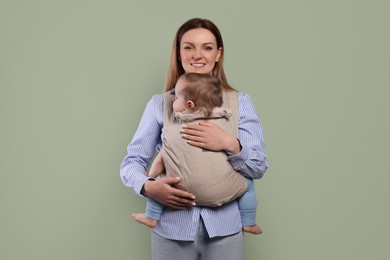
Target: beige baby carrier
{"x":206,"y":174}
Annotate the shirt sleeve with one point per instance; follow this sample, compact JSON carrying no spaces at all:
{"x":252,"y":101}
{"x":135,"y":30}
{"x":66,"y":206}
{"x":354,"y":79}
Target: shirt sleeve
{"x":145,"y":142}
{"x":251,"y":161}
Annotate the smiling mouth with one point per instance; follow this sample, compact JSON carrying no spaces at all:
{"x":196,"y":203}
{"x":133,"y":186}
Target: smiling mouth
{"x":198,"y":64}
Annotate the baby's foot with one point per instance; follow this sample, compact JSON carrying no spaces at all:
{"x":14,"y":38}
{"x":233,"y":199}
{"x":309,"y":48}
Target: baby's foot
{"x":141,"y":218}
{"x":255,"y":229}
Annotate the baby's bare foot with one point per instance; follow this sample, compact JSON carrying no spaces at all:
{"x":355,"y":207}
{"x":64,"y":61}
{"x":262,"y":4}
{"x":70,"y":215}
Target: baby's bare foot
{"x":255,"y":229}
{"x":141,"y":218}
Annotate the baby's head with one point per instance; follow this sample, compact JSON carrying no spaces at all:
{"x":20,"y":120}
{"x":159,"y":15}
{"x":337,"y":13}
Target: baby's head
{"x":194,"y":91}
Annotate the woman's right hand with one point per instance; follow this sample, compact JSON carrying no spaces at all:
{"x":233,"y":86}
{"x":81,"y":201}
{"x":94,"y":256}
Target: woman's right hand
{"x":163,"y":191}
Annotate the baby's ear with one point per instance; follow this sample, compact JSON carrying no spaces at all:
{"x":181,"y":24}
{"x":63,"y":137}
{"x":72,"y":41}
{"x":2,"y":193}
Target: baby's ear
{"x":190,"y":104}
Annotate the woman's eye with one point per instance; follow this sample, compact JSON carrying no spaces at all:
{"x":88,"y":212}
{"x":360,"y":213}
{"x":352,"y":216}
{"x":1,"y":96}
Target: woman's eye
{"x":208,"y":48}
{"x":187,"y":47}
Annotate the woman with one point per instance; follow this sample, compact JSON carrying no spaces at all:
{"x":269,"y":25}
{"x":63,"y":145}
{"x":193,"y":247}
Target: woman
{"x":185,"y":231}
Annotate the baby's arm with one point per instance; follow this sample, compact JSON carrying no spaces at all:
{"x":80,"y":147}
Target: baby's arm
{"x":157,"y":167}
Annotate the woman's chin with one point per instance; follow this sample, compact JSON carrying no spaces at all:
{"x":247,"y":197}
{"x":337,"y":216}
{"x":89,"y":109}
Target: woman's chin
{"x":202,"y":70}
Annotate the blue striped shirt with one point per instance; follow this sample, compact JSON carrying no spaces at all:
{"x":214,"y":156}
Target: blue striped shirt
{"x":183,"y":224}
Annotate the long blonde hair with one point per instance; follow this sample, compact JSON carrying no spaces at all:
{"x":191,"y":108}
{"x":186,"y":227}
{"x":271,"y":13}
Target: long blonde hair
{"x":175,"y":69}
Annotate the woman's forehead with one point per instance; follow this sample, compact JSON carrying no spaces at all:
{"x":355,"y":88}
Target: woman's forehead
{"x":198,"y":36}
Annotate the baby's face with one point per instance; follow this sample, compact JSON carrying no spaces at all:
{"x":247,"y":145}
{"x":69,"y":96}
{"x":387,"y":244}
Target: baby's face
{"x":179,"y":102}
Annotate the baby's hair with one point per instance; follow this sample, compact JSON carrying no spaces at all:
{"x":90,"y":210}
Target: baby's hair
{"x":204,"y":90}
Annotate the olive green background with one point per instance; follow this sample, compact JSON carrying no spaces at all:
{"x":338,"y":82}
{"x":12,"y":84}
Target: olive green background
{"x":75,"y":77}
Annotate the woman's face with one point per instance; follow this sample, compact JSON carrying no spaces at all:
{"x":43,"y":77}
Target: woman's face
{"x":198,"y":51}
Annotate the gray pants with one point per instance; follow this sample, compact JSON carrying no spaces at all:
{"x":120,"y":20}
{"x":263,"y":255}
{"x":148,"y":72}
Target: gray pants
{"x":203,"y":248}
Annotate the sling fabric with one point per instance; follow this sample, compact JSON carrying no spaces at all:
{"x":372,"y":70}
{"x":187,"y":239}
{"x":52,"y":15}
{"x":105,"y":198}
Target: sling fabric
{"x":207,"y":174}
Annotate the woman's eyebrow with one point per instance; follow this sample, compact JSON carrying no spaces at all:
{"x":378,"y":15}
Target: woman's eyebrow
{"x":206,"y":43}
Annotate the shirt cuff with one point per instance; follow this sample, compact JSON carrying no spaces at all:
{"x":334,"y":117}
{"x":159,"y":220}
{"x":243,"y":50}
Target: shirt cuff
{"x":239,"y":159}
{"x":139,"y":184}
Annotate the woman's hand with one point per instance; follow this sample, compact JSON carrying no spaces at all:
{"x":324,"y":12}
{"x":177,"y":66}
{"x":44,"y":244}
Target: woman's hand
{"x":211,"y":137}
{"x":163,"y":191}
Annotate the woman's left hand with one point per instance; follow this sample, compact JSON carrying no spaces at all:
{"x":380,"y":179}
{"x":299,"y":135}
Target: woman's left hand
{"x":211,"y":137}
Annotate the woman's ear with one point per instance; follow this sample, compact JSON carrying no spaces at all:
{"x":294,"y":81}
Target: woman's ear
{"x":218,"y":54}
{"x":190,"y":104}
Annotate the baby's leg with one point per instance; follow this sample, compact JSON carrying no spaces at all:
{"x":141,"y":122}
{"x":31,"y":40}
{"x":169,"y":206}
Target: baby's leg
{"x":157,"y":166}
{"x":247,"y":205}
{"x":152,"y":213}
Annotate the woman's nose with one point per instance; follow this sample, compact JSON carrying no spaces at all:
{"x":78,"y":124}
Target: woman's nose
{"x":197,"y":54}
